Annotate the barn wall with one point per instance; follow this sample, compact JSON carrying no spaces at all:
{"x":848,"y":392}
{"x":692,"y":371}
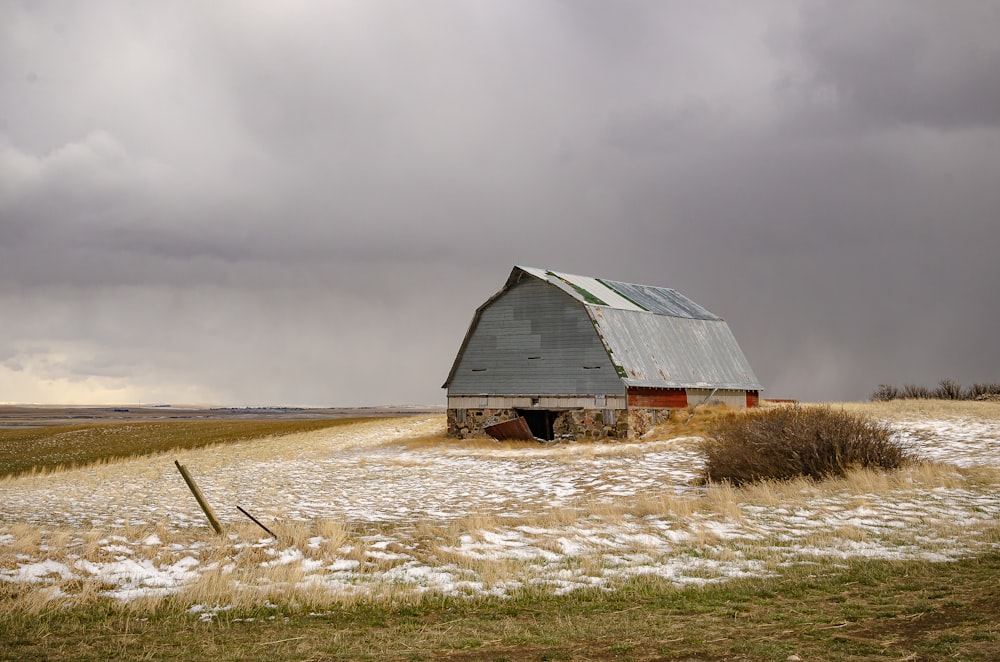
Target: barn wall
{"x":671,"y":398}
{"x":540,"y":402}
{"x":534,"y":339}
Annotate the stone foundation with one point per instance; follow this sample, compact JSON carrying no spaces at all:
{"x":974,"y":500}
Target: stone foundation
{"x":475,"y":421}
{"x":568,"y":424}
{"x":641,"y":421}
{"x":591,"y":424}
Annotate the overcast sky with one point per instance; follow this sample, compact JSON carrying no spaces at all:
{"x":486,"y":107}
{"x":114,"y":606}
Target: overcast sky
{"x":303,"y":203}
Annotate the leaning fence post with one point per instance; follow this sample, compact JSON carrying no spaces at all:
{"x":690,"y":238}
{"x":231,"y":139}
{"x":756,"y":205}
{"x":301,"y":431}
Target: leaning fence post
{"x":200,"y":497}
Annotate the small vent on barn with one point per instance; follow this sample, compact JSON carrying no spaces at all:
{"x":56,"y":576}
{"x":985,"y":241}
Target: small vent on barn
{"x":479,"y":370}
{"x":591,"y":367}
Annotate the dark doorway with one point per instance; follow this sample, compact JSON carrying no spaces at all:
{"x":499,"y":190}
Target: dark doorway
{"x":540,"y":421}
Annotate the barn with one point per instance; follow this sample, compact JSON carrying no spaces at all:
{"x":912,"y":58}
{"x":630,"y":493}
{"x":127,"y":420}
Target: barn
{"x":584,"y":357}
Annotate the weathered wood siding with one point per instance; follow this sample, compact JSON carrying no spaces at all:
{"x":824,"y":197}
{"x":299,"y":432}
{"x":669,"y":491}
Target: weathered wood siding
{"x":535,"y":340}
{"x":672,"y":398}
{"x":541,"y":402}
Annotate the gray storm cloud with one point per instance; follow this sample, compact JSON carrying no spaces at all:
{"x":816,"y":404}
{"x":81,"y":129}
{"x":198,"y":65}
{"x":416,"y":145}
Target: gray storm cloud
{"x":303,"y":203}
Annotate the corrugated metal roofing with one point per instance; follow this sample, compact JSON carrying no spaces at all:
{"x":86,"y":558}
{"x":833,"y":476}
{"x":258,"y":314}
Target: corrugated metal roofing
{"x":584,"y":288}
{"x":512,"y":430}
{"x":661,"y":300}
{"x":664,"y":351}
{"x":623,"y":296}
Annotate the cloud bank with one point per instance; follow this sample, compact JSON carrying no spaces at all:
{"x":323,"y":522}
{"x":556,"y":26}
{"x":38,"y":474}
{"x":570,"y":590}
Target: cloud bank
{"x":249,"y":203}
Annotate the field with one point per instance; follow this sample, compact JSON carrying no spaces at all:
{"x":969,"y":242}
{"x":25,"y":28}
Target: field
{"x":393,"y":534}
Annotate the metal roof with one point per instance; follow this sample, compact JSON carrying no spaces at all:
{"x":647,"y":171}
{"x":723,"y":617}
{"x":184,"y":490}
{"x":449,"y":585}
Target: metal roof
{"x":623,"y":296}
{"x":663,"y":351}
{"x":655,"y":336}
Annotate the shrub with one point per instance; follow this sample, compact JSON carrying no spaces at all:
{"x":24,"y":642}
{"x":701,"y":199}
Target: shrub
{"x":977,"y":391}
{"x":884,"y":393}
{"x":948,"y":389}
{"x":916,"y":392}
{"x":788,"y":442}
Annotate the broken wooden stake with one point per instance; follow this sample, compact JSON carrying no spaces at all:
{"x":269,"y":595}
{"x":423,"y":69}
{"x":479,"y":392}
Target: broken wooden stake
{"x":200,"y":497}
{"x":254,"y":519}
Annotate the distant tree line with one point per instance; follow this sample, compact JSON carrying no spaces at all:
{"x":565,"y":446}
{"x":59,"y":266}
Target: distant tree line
{"x":947,"y":389}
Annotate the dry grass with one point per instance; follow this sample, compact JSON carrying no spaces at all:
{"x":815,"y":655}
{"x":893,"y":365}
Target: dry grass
{"x":906,"y":409}
{"x":686,"y":423}
{"x":872,"y":610}
{"x":866,"y":611}
{"x":55,"y":448}
{"x":245,"y":571}
{"x":242,"y":572}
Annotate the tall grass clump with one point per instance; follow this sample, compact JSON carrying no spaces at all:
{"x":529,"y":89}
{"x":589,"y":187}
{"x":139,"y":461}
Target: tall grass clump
{"x":784,"y":443}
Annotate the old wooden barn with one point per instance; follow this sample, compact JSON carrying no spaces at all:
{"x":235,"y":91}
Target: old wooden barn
{"x":583,"y":357}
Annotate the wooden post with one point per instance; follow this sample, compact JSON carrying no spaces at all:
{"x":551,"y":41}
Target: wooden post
{"x":691,"y":415}
{"x":200,"y":497}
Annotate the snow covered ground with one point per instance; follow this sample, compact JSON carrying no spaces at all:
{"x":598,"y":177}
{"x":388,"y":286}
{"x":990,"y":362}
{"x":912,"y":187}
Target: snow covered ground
{"x":361,"y":512}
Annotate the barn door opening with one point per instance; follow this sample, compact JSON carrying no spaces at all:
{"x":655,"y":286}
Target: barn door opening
{"x":540,"y":421}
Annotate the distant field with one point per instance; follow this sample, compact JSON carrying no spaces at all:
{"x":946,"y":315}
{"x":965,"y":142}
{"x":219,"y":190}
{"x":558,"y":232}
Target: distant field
{"x":394,"y":542}
{"x":40,"y":449}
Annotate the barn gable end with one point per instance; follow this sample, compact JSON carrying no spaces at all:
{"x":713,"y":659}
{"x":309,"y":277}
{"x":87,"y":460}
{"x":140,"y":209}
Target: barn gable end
{"x":536,"y":340}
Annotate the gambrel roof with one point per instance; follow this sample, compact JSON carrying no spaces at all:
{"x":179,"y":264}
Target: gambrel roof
{"x":654,"y":336}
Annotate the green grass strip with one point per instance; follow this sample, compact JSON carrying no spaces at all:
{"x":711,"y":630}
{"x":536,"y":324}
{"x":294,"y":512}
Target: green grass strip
{"x":866,"y":610}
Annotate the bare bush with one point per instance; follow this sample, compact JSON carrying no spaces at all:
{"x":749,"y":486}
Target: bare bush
{"x":948,"y":389}
{"x":884,"y":393}
{"x":977,"y":391}
{"x":916,"y":391}
{"x":788,"y":442}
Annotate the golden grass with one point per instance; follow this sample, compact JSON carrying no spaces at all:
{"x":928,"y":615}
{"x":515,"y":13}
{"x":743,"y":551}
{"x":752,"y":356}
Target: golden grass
{"x":244,"y":572}
{"x":438,"y":439}
{"x":724,"y":501}
{"x":932,"y":408}
{"x":56,"y":448}
{"x":687,"y":423}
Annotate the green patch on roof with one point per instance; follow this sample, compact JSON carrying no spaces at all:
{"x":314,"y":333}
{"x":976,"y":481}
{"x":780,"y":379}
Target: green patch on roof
{"x":587,"y":296}
{"x":622,"y":294}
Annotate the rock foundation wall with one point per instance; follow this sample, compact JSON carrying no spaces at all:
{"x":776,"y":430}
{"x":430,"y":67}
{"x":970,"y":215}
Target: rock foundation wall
{"x":591,"y":424}
{"x":570,"y":424}
{"x":475,"y":421}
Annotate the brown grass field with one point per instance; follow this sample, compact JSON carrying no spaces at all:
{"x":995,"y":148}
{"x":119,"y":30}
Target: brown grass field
{"x":833,"y":607}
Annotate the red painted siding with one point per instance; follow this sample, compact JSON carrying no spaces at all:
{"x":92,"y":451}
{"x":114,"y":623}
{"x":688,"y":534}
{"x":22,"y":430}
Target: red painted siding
{"x":672,"y":398}
{"x":753,"y":399}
